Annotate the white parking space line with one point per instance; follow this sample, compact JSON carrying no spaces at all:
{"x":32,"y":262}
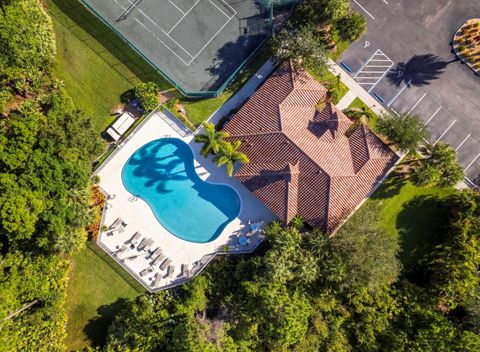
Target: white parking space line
{"x":431,"y":117}
{"x":418,"y":102}
{"x":364,"y":9}
{"x":385,"y":1}
{"x":463,"y":142}
{"x":472,"y":162}
{"x":443,"y":134}
{"x":373,"y":70}
{"x":398,"y":94}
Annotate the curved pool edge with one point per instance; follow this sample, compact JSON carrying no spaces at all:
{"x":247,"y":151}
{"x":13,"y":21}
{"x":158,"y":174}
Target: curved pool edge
{"x":194,"y":159}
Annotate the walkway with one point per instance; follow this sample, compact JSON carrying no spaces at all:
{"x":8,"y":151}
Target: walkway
{"x":355,"y":90}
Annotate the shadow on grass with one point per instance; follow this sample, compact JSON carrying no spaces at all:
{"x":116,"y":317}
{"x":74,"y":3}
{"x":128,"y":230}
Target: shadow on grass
{"x":390,"y":187}
{"x":97,"y":328}
{"x":421,"y":224}
{"x":105,"y":43}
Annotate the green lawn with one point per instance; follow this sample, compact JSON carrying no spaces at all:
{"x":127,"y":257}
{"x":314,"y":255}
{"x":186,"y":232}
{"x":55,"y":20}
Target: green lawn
{"x":410,"y":213}
{"x":94,"y":64}
{"x":96,"y":291}
{"x":358,"y":103}
{"x":328,"y":78}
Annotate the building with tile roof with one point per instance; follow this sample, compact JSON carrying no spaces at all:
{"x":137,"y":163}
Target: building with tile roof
{"x":306,"y":157}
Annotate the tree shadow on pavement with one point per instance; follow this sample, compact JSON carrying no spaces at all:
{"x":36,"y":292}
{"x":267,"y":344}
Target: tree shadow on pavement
{"x":420,"y":70}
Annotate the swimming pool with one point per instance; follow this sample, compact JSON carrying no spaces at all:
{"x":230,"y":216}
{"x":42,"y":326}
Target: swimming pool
{"x":162,"y":173}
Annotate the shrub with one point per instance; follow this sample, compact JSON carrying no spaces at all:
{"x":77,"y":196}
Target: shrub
{"x":147,"y":93}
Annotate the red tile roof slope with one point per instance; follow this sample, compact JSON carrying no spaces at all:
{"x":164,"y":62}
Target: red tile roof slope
{"x":301,"y":161}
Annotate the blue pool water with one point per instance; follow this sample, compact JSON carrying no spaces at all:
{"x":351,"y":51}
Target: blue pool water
{"x":162,"y":173}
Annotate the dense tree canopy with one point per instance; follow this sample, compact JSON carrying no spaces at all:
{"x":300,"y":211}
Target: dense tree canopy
{"x":46,"y":146}
{"x":405,"y":131}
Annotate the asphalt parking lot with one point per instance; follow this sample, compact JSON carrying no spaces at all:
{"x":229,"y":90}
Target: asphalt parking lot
{"x":405,"y":61}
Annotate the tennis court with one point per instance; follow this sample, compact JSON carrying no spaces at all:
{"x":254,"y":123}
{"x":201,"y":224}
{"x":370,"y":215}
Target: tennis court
{"x":197,"y":44}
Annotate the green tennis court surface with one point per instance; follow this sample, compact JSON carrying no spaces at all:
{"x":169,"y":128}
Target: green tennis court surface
{"x":196,"y":44}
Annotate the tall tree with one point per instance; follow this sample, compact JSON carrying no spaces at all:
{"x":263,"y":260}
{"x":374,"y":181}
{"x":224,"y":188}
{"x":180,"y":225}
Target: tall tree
{"x":300,"y":45}
{"x":440,"y":166}
{"x":351,"y":27}
{"x":229,"y":155}
{"x":405,"y":131}
{"x":212,"y":139}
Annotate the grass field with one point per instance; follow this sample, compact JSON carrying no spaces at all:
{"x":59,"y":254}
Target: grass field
{"x":94,"y":64}
{"x":328,"y":78}
{"x":409,"y":213}
{"x":96,"y":291}
{"x":97,"y":67}
{"x":358,"y":103}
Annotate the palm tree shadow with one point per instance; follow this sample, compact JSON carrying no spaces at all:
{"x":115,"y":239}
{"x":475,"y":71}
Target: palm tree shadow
{"x":420,"y":70}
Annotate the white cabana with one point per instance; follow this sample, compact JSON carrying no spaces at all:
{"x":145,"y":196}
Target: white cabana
{"x":112,"y":133}
{"x":123,"y":123}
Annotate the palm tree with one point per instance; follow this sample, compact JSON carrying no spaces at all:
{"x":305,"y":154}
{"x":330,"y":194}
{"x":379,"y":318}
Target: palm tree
{"x":360,"y":116}
{"x":440,"y":167}
{"x":229,"y":155}
{"x":212,"y":140}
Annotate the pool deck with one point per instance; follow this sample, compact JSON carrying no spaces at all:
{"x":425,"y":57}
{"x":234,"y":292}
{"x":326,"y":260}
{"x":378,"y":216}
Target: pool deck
{"x":139,"y":216}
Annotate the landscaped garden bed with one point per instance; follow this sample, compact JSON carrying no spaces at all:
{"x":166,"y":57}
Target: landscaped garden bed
{"x":466,"y":44}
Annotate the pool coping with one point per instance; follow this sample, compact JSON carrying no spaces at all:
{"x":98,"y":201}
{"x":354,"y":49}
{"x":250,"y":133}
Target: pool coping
{"x":253,"y":244}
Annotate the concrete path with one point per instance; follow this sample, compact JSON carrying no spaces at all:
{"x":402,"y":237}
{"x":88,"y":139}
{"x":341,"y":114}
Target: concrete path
{"x":355,"y":90}
{"x":245,"y":92}
{"x":346,"y":100}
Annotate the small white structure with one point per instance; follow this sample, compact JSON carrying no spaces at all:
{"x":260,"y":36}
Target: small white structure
{"x":121,"y":125}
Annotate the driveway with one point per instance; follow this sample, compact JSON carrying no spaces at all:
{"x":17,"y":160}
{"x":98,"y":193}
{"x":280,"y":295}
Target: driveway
{"x":406,"y":62}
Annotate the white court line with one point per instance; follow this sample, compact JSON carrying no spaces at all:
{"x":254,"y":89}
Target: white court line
{"x":219,"y":9}
{"x":443,"y":134}
{"x":431,"y":117}
{"x":472,"y":162}
{"x":168,"y":35}
{"x":463,"y":141}
{"x":211,"y":39}
{"x":398,"y":94}
{"x":363,"y":8}
{"x":171,"y":2}
{"x":186,"y":13}
{"x":226,"y":4}
{"x":418,"y":102}
{"x":173,"y":52}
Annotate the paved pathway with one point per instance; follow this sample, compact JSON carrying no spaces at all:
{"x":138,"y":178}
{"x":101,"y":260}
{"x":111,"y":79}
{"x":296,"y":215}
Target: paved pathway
{"x":245,"y":92}
{"x":355,"y":90}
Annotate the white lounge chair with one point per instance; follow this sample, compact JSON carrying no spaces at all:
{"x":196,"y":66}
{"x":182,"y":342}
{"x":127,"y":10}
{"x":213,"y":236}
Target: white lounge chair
{"x":170,"y":271}
{"x":165,"y":264}
{"x":157,"y":252}
{"x":157,"y":279}
{"x":149,"y":244}
{"x":146,"y":271}
{"x":121,"y":250}
{"x":135,"y":238}
{"x":184,"y":270}
{"x":158,"y":260}
{"x":143,"y":243}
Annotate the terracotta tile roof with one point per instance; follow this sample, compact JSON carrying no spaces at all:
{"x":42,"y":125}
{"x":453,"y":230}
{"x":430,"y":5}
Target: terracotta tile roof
{"x":301,"y":161}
